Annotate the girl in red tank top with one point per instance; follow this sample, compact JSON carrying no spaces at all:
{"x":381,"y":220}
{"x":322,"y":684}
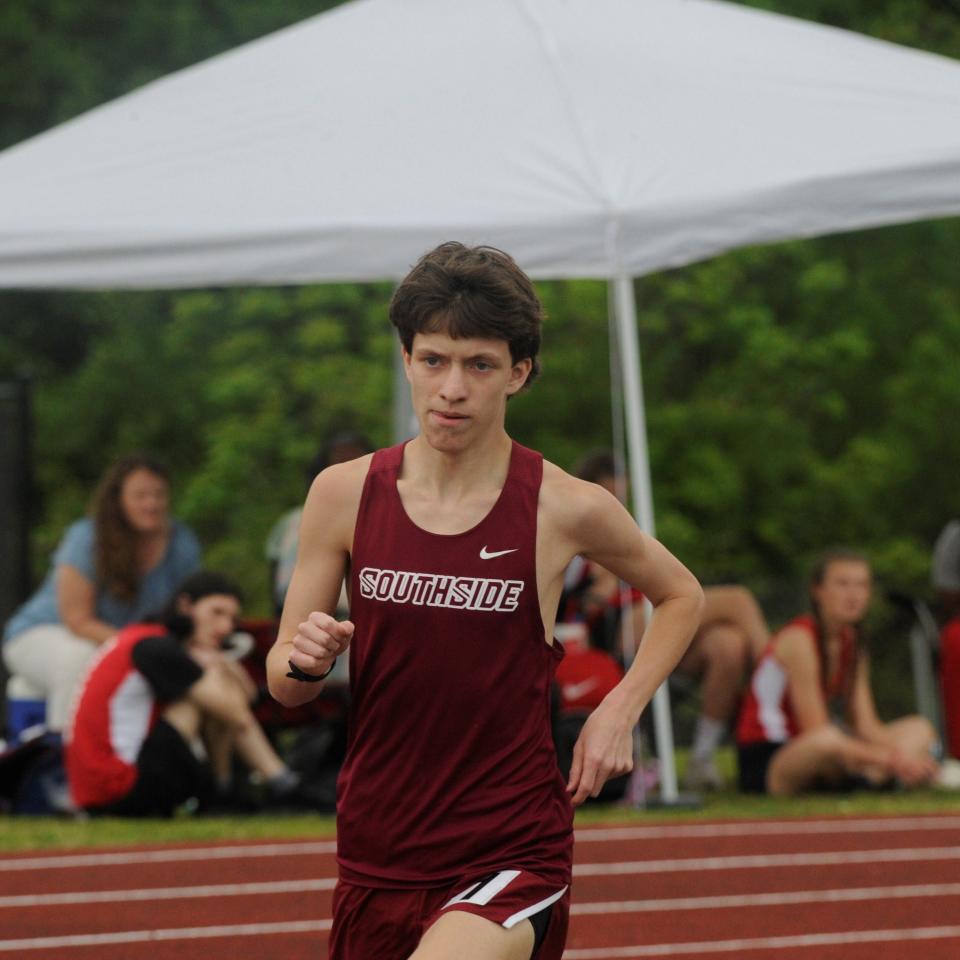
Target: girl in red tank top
{"x":808,"y":720}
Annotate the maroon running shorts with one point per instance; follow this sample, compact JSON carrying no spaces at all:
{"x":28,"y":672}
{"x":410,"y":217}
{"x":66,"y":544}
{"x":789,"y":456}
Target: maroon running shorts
{"x":388,"y":924}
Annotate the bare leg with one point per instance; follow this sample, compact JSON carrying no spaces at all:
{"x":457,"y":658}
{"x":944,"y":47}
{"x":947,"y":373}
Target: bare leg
{"x":912,"y":735}
{"x":257,"y":751}
{"x":185,"y":718}
{"x":458,"y":935}
{"x":738,"y":606}
{"x":818,"y":755}
{"x":219,"y":696}
{"x":806,"y":759}
{"x":720,"y":653}
{"x":218,"y":739}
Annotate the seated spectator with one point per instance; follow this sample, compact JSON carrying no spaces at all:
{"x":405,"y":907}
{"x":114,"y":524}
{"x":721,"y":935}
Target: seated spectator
{"x":808,"y":720}
{"x":733,"y":630}
{"x":109,"y":570}
{"x":152,"y":696}
{"x":946,"y":581}
{"x":283,"y":539}
{"x":584,"y":677}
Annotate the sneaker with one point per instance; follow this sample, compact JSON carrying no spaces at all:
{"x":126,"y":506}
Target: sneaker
{"x":702,"y":775}
{"x":948,"y":776}
{"x":303,"y":796}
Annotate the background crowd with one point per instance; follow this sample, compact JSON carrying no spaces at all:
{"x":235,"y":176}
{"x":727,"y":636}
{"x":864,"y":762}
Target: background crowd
{"x":152,"y":693}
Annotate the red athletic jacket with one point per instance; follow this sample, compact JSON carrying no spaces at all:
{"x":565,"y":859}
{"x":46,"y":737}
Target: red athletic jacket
{"x":115,"y":711}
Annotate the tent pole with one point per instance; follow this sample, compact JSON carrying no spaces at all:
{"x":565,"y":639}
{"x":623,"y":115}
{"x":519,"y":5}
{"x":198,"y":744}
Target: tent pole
{"x":625,"y":307}
{"x":621,"y":482}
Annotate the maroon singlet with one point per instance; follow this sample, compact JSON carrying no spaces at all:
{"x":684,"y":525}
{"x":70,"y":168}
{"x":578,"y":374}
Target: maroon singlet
{"x":450,"y":766}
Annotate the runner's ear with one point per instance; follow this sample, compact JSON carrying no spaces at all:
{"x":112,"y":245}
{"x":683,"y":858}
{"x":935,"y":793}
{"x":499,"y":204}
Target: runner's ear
{"x":518,"y":375}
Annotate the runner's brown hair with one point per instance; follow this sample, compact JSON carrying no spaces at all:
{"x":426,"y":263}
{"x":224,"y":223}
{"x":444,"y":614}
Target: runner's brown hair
{"x":470,"y":292}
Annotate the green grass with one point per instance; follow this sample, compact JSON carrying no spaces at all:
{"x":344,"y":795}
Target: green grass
{"x":49,"y":833}
{"x":729,"y":805}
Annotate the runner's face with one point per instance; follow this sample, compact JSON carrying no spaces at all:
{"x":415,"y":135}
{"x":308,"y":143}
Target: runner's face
{"x":460,"y":387}
{"x":844,"y":594}
{"x":214,"y":619}
{"x":144,"y":499}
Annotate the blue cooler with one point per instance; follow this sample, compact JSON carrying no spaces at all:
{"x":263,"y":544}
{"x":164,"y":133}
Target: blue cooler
{"x":26,"y":707}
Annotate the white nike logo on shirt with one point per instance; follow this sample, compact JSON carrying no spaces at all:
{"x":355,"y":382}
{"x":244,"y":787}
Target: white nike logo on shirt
{"x":486,"y":555}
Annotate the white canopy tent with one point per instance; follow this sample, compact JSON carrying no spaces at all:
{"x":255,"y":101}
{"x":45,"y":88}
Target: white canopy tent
{"x":590,"y":138}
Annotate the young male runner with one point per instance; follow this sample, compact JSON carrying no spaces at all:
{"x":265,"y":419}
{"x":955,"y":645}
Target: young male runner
{"x":454,"y":826}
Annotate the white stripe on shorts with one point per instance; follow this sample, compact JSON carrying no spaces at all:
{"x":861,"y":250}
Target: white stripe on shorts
{"x":531,"y":911}
{"x":482,"y":896}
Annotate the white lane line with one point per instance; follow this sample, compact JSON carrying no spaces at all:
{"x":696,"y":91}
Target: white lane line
{"x":751,"y":862}
{"x":766,"y":943}
{"x":176,"y":855}
{"x":167,"y":893}
{"x":767,"y":861}
{"x":769,"y":899}
{"x":183,"y":933}
{"x":600,"y":953}
{"x":588,"y":835}
{"x":274,"y":888}
{"x":768,"y":828}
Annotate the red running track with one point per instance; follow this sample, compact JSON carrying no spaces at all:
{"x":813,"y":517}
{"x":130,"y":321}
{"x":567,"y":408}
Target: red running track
{"x":882,"y":888}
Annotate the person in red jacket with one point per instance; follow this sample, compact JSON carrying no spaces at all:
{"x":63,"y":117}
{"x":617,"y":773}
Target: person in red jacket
{"x":808,"y":720}
{"x":454,"y":825}
{"x":151,"y":695}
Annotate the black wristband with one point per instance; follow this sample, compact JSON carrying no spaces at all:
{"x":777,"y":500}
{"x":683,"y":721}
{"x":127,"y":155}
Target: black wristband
{"x":297,"y":674}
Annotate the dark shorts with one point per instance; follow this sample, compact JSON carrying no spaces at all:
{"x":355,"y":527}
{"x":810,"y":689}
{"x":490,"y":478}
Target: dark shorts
{"x":388,"y":924}
{"x":168,"y":774}
{"x":753,"y":762}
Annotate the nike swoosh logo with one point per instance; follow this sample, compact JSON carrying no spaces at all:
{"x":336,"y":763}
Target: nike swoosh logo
{"x":488,"y":555}
{"x":574,"y":691}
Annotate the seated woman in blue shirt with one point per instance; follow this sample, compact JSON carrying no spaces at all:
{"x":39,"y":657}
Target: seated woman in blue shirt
{"x":110,"y":569}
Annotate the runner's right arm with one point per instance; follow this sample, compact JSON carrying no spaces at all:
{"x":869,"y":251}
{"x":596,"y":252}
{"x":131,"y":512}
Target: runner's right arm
{"x":309,"y":636}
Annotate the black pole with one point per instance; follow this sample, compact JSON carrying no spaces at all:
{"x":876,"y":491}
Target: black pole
{"x":16,"y":492}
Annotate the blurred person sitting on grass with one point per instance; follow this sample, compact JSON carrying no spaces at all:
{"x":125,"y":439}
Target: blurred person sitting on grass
{"x":110,"y":569}
{"x":161,"y":699}
{"x":733,"y":631}
{"x":809,"y":721}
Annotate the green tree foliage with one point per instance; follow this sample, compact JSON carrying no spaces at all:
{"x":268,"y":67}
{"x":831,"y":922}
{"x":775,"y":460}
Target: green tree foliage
{"x":798,"y":395}
{"x":801,"y":401}
{"x":927,"y":24}
{"x":59,"y":58}
{"x":235,"y":390}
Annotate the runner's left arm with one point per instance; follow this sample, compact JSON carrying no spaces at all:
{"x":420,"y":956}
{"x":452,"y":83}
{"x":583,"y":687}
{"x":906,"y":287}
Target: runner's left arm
{"x":602,"y":530}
